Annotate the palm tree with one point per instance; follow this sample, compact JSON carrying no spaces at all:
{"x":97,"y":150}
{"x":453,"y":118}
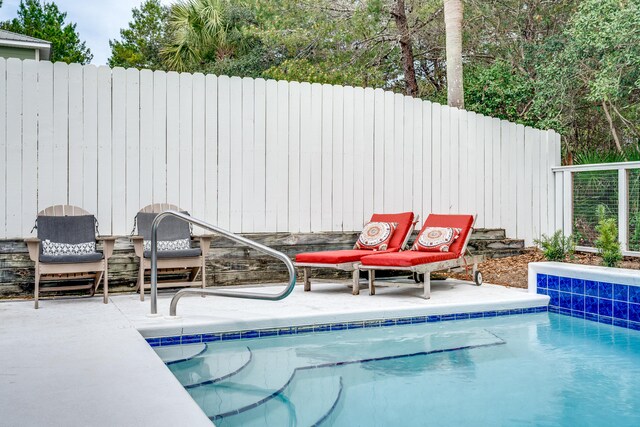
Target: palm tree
{"x":453,"y":23}
{"x":200,"y":31}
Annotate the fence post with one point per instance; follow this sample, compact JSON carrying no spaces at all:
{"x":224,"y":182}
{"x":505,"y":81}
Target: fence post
{"x":623,"y":208}
{"x":567,"y":220}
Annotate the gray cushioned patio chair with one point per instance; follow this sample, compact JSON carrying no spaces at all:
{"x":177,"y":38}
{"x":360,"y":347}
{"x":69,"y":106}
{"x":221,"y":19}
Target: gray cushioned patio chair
{"x":64,"y":229}
{"x":171,"y":262}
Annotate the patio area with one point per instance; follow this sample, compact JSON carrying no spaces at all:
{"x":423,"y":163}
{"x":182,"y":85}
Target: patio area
{"x":82,"y":353}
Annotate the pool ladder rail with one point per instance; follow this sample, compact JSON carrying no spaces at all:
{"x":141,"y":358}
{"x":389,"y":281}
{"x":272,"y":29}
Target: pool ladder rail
{"x":218,"y":292}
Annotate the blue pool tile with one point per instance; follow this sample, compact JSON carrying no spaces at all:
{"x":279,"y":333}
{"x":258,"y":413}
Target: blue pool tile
{"x":542,"y":281}
{"x":447,"y":317}
{"x":250,"y":334}
{"x":153,"y":342}
{"x":355,"y":325}
{"x":605,"y":307}
{"x":591,"y":305}
{"x":541,"y":291}
{"x":169,"y":341}
{"x":431,"y":319}
{"x":211,"y":337}
{"x":565,"y":300}
{"x":321,"y":328}
{"x":565,"y":311}
{"x":371,"y":323}
{"x":577,"y":313}
{"x":529,"y":310}
{"x":268,"y":332}
{"x":621,"y":323}
{"x":286,"y":331}
{"x":490,"y":314}
{"x":605,"y":319}
{"x":634,"y":294}
{"x":542,"y":309}
{"x":230,"y":336}
{"x":591,"y":288}
{"x":552,"y":282}
{"x":621,"y":310}
{"x":565,"y":284}
{"x":620,"y":292}
{"x":476,"y":315}
{"x":590,"y":316}
{"x":388,"y":322}
{"x":419,"y":319}
{"x":605,"y":290}
{"x":634,"y":312}
{"x":515,"y":311}
{"x":634,"y":325}
{"x":502,"y":312}
{"x":304,"y":329}
{"x":577,"y":286}
{"x":403,"y":321}
{"x":554,"y":298}
{"x":461,"y":316}
{"x":577,"y":302}
{"x":553,"y":309}
{"x":338,"y":326}
{"x":191,"y":339}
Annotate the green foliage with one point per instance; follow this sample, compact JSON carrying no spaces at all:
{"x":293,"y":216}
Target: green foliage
{"x":141,"y":42}
{"x":45,"y":21}
{"x":607,"y":243}
{"x":589,"y":155}
{"x":557,"y":247}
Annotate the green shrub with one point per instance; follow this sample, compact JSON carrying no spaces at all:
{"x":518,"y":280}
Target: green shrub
{"x":607,"y":243}
{"x":557,"y":247}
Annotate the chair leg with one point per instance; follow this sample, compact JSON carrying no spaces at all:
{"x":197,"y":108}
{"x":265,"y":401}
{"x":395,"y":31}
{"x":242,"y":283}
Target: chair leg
{"x":105,"y":286}
{"x":307,"y":282}
{"x":203,"y":274}
{"x":141,"y":281}
{"x":372,"y":278}
{"x":356,"y":282}
{"x":36,"y":291}
{"x":96,"y":282}
{"x":427,"y":285}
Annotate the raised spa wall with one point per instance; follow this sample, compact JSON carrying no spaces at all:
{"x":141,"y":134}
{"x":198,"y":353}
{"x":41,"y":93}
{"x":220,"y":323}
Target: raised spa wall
{"x":600,"y":294}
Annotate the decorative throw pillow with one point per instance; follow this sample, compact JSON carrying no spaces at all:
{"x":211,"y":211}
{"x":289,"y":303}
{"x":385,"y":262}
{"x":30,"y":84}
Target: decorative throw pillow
{"x":169,"y":245}
{"x":59,"y":249}
{"x":436,"y":239}
{"x":376,"y":236}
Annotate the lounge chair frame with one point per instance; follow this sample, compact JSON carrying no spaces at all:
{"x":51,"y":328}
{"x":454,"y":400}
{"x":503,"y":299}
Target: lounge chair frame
{"x":44,"y":272}
{"x":168,"y":266}
{"x":353,"y":267}
{"x":458,"y":264}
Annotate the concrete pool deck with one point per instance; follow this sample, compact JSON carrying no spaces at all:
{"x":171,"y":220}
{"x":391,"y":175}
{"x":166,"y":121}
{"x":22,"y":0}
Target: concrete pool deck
{"x":78,"y":362}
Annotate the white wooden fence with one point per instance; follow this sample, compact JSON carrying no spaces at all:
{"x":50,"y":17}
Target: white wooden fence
{"x":257,"y":156}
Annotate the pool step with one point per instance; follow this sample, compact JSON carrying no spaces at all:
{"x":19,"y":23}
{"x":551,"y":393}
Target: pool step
{"x":210,"y":366}
{"x":266,"y":375}
{"x":308,"y":400}
{"x":180,"y":353}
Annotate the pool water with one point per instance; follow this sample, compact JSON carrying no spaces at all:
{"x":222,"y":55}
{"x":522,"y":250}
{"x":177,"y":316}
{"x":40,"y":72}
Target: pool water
{"x":534,"y":369}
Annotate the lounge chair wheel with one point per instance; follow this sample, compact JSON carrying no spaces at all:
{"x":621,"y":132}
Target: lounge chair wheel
{"x":477,"y":278}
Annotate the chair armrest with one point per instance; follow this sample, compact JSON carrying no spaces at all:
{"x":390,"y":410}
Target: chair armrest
{"x":138,"y":245}
{"x":205,"y":243}
{"x":107,"y":245}
{"x":33,"y":244}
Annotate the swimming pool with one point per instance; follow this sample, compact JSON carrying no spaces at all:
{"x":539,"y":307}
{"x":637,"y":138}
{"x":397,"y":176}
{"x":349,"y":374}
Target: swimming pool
{"x":531,"y":369}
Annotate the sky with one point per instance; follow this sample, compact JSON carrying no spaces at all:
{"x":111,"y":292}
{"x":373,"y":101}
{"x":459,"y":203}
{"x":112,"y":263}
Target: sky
{"x":97,"y":20}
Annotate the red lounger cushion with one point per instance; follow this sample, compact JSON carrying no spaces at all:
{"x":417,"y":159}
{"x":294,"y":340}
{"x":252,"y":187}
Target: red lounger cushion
{"x":404,"y":221}
{"x":335,"y":257}
{"x":406,"y":258}
{"x":465,"y":222}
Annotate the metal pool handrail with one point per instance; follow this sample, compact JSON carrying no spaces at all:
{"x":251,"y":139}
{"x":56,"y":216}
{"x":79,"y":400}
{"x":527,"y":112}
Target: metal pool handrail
{"x":224,"y":293}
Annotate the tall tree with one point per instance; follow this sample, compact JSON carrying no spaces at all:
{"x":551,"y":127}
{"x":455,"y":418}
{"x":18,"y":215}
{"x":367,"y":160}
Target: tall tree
{"x":453,"y":11}
{"x":141,"y":42}
{"x":400,"y":16}
{"x":45,"y":21}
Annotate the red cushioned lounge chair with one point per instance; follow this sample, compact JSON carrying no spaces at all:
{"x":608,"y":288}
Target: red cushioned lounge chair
{"x":349,"y":259}
{"x":421,"y":264}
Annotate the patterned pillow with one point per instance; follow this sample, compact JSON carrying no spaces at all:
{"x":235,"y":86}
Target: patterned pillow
{"x":169,"y":245}
{"x":376,"y":236}
{"x":60,"y":249}
{"x":436,"y":239}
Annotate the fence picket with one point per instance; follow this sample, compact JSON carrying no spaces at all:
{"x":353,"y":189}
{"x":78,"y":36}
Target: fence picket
{"x":90,"y":138}
{"x":29,"y":159}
